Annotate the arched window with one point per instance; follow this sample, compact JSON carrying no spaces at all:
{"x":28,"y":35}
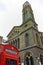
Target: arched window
{"x":18,"y":43}
{"x":29,"y":59}
{"x":27,"y":39}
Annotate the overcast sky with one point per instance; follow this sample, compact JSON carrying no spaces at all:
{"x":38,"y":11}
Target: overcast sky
{"x":11,"y":14}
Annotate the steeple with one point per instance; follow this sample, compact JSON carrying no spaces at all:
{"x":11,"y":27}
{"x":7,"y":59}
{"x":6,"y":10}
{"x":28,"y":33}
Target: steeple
{"x":27,"y":12}
{"x":26,"y":4}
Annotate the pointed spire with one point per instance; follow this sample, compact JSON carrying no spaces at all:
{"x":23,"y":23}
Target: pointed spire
{"x":26,"y":4}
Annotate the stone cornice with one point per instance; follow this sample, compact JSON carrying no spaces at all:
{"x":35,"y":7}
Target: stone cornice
{"x":30,"y":47}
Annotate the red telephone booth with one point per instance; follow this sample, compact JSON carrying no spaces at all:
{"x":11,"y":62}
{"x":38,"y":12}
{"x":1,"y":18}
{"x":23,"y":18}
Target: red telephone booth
{"x":9,"y":55}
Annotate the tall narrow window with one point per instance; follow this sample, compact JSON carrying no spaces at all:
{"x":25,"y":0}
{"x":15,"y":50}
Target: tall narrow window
{"x":13,"y":42}
{"x":27,"y":39}
{"x":25,"y":16}
{"x":42,"y":40}
{"x":37,"y":38}
{"x":27,"y":60}
{"x":18,"y":43}
{"x":41,"y":59}
{"x":31,"y":60}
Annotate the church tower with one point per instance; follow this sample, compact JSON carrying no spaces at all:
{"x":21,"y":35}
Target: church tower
{"x":28,"y":16}
{"x":27,"y":12}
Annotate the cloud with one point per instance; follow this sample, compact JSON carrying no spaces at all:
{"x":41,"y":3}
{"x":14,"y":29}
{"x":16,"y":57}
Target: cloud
{"x":2,"y":7}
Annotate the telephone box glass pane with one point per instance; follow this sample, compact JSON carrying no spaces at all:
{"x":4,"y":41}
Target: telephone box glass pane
{"x":11,"y":62}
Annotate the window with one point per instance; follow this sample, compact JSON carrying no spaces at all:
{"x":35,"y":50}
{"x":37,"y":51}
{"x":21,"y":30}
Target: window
{"x":18,"y":43}
{"x":37,"y":38}
{"x":29,"y":60}
{"x":42,"y":40}
{"x":25,"y":16}
{"x":27,"y":39}
{"x":11,"y":62}
{"x":41,"y":59}
{"x":13,"y":43}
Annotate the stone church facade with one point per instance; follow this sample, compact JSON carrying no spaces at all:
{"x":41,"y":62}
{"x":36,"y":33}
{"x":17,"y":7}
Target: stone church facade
{"x":27,"y":38}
